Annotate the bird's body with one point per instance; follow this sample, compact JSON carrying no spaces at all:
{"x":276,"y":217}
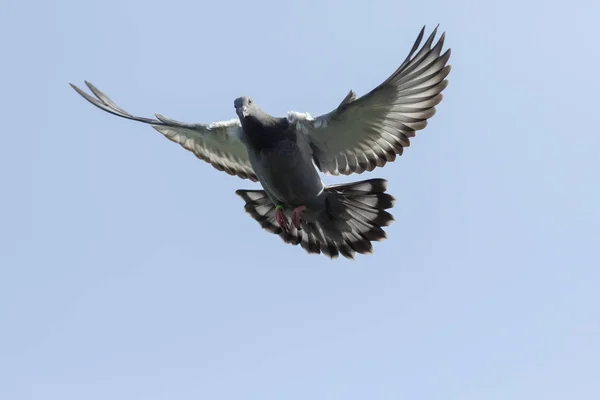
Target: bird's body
{"x":283,"y":163}
{"x":285,"y":154}
{"x":287,"y":172}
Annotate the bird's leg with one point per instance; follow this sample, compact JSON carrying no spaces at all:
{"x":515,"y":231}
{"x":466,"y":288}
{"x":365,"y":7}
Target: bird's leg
{"x":281,"y":219}
{"x":297,"y":216}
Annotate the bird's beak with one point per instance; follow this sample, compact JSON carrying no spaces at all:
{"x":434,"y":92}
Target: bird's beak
{"x":242,"y":111}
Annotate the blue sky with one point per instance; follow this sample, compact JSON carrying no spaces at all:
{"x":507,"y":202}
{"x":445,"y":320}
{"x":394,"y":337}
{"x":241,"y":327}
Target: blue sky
{"x":129,"y":270}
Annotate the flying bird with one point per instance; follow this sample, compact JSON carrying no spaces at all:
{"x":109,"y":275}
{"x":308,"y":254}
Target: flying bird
{"x":285,"y":154}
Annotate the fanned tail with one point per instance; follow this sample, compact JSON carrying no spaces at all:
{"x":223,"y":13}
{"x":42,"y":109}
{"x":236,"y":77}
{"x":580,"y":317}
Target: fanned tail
{"x":353,"y":218}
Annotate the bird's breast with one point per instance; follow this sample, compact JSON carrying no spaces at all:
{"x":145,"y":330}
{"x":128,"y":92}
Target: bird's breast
{"x":288,"y":173}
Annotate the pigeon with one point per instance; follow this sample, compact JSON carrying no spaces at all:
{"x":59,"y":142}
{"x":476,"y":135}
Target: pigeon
{"x":286,"y":154}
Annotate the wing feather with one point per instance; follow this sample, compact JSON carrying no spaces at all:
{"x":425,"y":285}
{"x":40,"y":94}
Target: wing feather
{"x":368,"y":132}
{"x":219,"y":143}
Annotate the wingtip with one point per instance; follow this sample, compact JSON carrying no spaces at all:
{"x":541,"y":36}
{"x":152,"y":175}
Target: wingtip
{"x":443,"y":35}
{"x":93,"y":88}
{"x":435,"y":29}
{"x":78,"y":90}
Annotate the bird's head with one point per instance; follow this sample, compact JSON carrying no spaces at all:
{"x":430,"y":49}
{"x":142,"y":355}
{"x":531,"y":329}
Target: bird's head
{"x":245,"y":107}
{"x":252,"y":117}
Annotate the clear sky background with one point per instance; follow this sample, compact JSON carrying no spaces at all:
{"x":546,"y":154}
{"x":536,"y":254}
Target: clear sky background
{"x":129,"y":270}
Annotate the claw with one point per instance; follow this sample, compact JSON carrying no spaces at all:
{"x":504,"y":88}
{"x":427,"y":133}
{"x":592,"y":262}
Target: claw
{"x":297,"y":216}
{"x":281,"y":219}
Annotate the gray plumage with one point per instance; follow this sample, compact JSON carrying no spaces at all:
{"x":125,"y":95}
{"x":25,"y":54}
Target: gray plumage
{"x":285,"y":154}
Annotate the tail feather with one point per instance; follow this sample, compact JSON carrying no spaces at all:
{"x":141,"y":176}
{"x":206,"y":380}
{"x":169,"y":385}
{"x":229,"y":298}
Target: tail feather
{"x":354,"y":217}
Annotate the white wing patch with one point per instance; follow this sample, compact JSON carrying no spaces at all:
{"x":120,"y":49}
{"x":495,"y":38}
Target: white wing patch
{"x":300,"y":119}
{"x":295,"y":116}
{"x":224,"y":124}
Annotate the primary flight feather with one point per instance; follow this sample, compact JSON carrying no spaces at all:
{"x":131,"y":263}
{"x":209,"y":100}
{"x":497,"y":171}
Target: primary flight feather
{"x":285,"y":154}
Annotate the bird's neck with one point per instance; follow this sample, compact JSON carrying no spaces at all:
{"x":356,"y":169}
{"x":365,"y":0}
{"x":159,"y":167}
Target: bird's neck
{"x":266,"y":132}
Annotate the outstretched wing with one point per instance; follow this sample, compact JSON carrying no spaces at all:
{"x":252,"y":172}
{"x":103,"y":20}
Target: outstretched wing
{"x":218,"y":143}
{"x":364,"y":133}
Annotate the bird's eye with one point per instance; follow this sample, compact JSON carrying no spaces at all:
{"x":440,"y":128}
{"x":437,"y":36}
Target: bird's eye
{"x":249,"y":101}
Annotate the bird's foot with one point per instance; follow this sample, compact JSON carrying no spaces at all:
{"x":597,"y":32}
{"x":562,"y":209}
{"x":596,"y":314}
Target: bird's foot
{"x":281,"y":219}
{"x":297,"y":216}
